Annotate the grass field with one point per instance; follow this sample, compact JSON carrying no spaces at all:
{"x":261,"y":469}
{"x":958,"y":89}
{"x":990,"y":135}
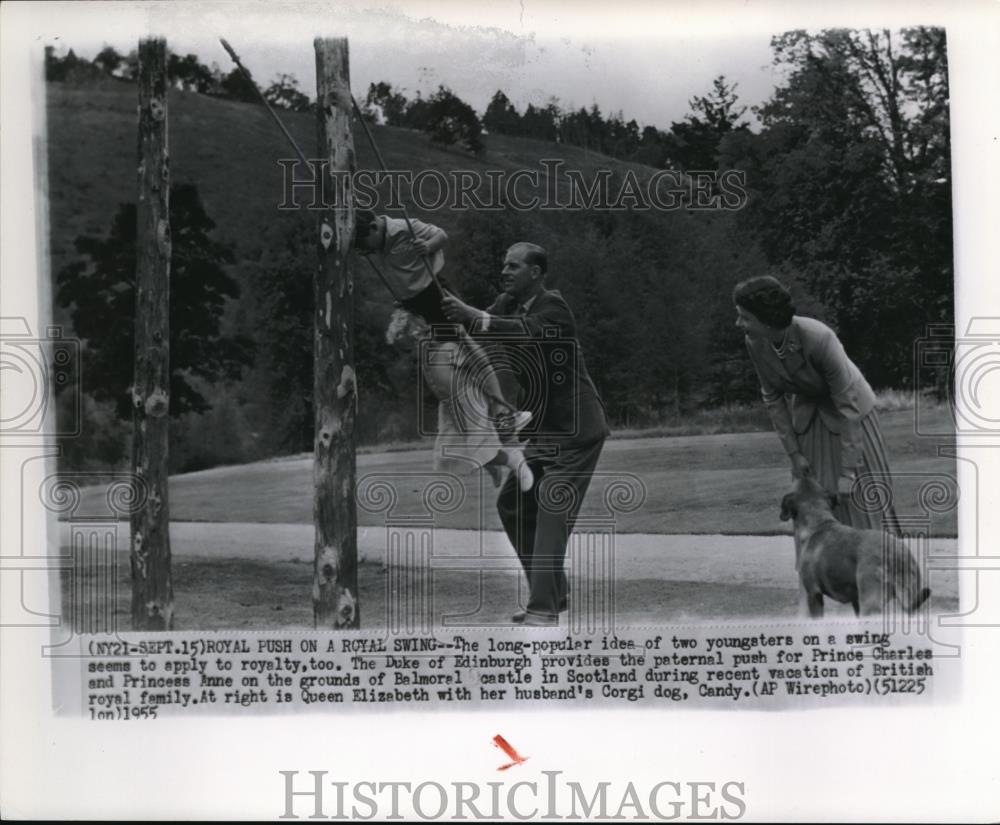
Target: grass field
{"x":719,"y":484}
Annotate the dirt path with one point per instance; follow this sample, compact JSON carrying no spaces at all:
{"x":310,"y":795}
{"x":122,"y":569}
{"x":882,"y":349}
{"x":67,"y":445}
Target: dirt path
{"x":254,"y":576}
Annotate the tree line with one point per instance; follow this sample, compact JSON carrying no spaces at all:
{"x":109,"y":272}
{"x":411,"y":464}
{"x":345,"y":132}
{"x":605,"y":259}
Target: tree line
{"x":689,"y":144}
{"x":444,"y":116}
{"x":186,"y":73}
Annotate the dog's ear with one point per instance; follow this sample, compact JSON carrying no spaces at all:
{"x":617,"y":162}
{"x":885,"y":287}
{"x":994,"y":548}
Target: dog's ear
{"x":787,"y":507}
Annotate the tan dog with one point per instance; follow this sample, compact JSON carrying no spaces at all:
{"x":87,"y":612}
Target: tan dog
{"x":864,"y":568}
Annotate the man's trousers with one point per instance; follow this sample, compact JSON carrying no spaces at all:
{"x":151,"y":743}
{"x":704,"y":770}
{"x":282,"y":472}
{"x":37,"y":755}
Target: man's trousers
{"x":539,"y":522}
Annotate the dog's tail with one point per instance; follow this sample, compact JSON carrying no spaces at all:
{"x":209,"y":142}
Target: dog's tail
{"x":917,"y":596}
{"x":905,"y":574}
{"x":913,"y":594}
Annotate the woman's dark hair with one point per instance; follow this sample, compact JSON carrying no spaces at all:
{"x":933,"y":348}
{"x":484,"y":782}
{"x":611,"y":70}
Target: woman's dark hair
{"x":767,"y":299}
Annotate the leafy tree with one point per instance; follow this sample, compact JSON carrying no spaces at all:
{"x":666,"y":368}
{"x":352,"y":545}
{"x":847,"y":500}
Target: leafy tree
{"x":130,"y":71}
{"x":282,"y":294}
{"x":189,"y":74}
{"x":501,"y":117}
{"x":623,"y":137}
{"x":693,"y":142}
{"x":383,"y":99}
{"x":100,"y":293}
{"x":69,"y":68}
{"x":573,"y":128}
{"x":595,"y":129}
{"x":584,"y":128}
{"x":539,"y":123}
{"x":235,"y":86}
{"x":652,"y":149}
{"x":109,"y":61}
{"x":849,"y":185}
{"x":417,"y":114}
{"x":284,"y":93}
{"x":554,"y":113}
{"x":450,"y":120}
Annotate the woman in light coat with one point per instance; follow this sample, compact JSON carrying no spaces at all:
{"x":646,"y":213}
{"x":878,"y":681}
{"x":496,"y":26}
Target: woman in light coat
{"x":822,"y":408}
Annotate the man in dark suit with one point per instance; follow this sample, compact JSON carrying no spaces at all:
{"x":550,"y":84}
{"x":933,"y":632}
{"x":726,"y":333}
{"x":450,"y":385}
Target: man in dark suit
{"x":568,"y":429}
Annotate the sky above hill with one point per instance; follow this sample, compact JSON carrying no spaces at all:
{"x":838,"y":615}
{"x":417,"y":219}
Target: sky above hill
{"x":644,"y":59}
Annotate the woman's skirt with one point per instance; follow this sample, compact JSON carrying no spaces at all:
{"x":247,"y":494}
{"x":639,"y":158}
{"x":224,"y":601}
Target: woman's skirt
{"x":871,"y":502}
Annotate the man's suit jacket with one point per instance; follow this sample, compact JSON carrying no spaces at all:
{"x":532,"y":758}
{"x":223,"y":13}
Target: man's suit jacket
{"x":814,"y":378}
{"x":567,"y":406}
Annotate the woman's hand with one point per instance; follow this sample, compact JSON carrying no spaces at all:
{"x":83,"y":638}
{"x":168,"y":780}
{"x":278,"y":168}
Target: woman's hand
{"x":422,"y":248}
{"x":800,"y":466}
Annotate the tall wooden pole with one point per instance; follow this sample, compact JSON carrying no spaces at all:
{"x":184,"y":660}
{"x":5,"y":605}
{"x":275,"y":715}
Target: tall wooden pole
{"x":335,"y":394}
{"x":152,"y":590}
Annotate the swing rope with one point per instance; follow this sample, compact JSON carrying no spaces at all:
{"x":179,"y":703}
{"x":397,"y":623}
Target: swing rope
{"x":381,"y":162}
{"x":301,"y":155}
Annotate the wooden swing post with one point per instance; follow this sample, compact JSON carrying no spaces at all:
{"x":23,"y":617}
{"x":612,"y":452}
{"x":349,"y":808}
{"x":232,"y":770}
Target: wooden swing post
{"x":335,"y":395}
{"x":149,"y":550}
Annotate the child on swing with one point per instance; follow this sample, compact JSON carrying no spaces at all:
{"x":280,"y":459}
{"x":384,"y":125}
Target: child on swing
{"x":404,"y":262}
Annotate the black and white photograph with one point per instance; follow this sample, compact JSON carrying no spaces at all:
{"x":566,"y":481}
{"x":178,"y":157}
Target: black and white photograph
{"x":528,"y":372}
{"x":721,"y":286}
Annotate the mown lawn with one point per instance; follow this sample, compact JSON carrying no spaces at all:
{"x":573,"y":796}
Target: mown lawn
{"x":725,"y":483}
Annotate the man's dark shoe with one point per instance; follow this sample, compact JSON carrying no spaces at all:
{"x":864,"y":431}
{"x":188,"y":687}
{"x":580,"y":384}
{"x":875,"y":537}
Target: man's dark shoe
{"x":521,"y":615}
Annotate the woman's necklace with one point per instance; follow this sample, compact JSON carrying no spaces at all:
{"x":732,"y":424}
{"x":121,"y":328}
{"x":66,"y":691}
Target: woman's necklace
{"x":781,"y":349}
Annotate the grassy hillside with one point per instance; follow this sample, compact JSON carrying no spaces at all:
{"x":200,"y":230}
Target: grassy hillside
{"x":230,"y":151}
